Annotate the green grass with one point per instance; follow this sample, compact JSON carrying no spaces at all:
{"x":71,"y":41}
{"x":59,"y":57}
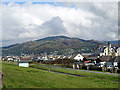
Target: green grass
{"x":83,"y":73}
{"x":20,"y":77}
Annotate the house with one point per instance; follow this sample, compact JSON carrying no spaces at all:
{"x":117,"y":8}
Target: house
{"x":23,"y":63}
{"x":102,"y":64}
{"x":113,"y":50}
{"x":25,"y":59}
{"x":77,"y":65}
{"x":105,"y":51}
{"x":45,"y":58}
{"x":58,"y":57}
{"x":10,"y":59}
{"x":79,"y":57}
{"x":115,"y":61}
{"x":69,"y":56}
{"x":117,"y":51}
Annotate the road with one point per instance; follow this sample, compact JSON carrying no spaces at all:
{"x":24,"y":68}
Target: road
{"x":83,"y":70}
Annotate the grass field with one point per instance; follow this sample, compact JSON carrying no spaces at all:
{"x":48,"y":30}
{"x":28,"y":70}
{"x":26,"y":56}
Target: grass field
{"x":88,"y":74}
{"x":20,"y":77}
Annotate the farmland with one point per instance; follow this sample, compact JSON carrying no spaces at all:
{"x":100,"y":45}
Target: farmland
{"x":20,"y":77}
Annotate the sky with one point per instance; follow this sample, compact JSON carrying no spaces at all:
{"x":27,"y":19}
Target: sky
{"x":23,"y":22}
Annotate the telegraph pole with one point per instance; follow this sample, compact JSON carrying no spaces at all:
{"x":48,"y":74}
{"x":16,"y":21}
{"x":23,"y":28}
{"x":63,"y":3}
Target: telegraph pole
{"x":108,"y":55}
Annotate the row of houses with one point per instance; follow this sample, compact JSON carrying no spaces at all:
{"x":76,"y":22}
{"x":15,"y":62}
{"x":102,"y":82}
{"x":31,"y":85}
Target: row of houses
{"x":107,"y":54}
{"x":112,"y":51}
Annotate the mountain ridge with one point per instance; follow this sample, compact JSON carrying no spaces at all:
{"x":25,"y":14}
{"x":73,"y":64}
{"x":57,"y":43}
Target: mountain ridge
{"x":62,"y":44}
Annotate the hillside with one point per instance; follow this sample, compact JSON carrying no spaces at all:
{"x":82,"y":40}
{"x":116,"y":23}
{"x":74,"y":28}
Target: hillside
{"x":116,"y":42}
{"x":61,"y":44}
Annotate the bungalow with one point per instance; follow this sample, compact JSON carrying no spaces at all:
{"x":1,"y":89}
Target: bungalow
{"x":79,"y":57}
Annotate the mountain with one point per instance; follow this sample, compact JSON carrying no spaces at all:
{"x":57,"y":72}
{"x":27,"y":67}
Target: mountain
{"x":58,"y":44}
{"x":115,"y":42}
{"x":9,"y":46}
{"x":53,"y":38}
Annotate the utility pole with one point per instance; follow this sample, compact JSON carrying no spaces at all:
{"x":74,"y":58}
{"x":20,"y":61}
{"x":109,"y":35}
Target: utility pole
{"x":108,"y":55}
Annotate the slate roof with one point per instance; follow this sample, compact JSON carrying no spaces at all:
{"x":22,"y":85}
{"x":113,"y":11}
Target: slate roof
{"x":103,"y":49}
{"x":105,"y":58}
{"x":115,"y":59}
{"x":78,"y":62}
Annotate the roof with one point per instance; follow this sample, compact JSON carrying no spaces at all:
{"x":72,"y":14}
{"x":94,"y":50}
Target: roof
{"x":23,"y":62}
{"x":103,"y":49}
{"x":116,"y":49}
{"x":72,"y":57}
{"x":91,"y":57}
{"x":25,"y":58}
{"x":105,"y":58}
{"x":115,"y":59}
{"x":78,"y":62}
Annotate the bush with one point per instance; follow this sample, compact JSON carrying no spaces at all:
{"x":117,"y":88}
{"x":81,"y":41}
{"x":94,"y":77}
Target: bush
{"x":118,"y":71}
{"x":30,"y":62}
{"x":92,"y":68}
{"x":84,"y":67}
{"x":109,"y":70}
{"x":99,"y":68}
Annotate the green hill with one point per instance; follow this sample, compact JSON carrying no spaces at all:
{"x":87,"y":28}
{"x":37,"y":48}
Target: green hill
{"x":61,"y":44}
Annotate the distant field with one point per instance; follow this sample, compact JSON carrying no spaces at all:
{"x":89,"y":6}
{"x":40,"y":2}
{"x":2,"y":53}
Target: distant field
{"x":20,"y":77}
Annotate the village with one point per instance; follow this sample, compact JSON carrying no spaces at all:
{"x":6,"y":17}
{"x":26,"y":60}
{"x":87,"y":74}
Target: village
{"x":106,"y":58}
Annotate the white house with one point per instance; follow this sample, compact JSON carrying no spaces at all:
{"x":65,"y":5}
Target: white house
{"x":69,"y":56}
{"x":101,"y":64}
{"x":117,"y":51}
{"x":105,"y":51}
{"x":45,"y":58}
{"x":58,"y":57}
{"x":78,"y":57}
{"x":10,"y":59}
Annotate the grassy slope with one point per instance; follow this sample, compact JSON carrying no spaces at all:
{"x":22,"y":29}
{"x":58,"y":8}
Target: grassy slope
{"x":88,"y":74}
{"x":19,"y":77}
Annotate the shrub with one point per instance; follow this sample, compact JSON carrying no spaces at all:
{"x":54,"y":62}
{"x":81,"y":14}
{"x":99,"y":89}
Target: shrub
{"x":99,"y":68}
{"x":118,"y":71}
{"x":84,"y":67}
{"x":92,"y":68}
{"x":30,"y":62}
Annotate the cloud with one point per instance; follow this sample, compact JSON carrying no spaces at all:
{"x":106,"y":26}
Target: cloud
{"x":22,"y":22}
{"x":52,"y":27}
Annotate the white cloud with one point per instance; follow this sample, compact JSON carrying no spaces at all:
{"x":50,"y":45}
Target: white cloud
{"x":29,"y":21}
